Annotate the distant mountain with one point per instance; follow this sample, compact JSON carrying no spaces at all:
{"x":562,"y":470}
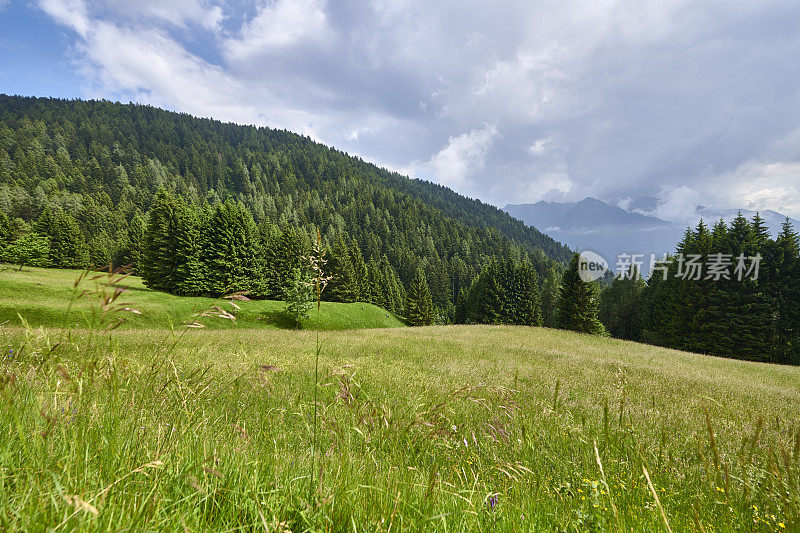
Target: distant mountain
{"x":592,"y":224}
{"x":588,"y":214}
{"x":609,"y":230}
{"x":773,"y":219}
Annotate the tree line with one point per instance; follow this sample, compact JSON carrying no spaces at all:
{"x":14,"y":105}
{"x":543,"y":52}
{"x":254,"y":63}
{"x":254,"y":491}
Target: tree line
{"x":722,"y":312}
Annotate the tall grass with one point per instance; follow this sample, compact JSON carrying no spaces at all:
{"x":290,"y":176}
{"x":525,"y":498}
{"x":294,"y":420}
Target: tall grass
{"x":422,"y":428}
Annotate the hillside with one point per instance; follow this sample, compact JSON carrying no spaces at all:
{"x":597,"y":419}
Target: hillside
{"x":48,"y":297}
{"x":103,"y":162}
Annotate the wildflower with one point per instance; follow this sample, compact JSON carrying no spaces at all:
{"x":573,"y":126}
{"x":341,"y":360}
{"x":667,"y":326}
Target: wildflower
{"x":492,"y":503}
{"x":781,"y":525}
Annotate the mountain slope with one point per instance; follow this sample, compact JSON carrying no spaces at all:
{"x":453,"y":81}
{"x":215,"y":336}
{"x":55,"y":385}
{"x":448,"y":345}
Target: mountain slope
{"x":103,"y":162}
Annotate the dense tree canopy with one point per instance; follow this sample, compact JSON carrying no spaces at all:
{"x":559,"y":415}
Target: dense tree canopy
{"x":730,"y":290}
{"x":98,"y":166}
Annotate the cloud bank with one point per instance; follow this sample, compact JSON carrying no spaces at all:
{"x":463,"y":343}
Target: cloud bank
{"x":514,"y":101}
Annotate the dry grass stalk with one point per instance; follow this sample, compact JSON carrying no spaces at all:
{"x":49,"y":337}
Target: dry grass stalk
{"x":655,"y":496}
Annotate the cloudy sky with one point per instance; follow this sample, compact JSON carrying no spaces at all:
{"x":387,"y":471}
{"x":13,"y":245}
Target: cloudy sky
{"x":511,"y":102}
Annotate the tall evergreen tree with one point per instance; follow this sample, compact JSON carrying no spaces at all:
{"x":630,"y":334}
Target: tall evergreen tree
{"x":785,"y":291}
{"x":6,"y":232}
{"x":231,"y":254}
{"x":190,"y":271}
{"x":67,"y":246}
{"x":577,"y":303}
{"x":419,"y":306}
{"x":343,"y":286}
{"x":159,"y":261}
{"x":135,"y":243}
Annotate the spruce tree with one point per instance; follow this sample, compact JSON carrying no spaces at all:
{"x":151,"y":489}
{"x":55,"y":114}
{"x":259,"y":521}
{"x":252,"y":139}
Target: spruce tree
{"x":577,"y":303}
{"x":231,"y":255}
{"x":6,"y":233}
{"x":135,"y":243}
{"x":159,"y":261}
{"x":67,"y":246}
{"x":785,"y":291}
{"x":189,"y":271}
{"x":419,"y":307}
{"x":343,"y":285}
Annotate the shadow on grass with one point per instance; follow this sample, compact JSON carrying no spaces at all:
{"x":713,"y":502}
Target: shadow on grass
{"x":280,"y":319}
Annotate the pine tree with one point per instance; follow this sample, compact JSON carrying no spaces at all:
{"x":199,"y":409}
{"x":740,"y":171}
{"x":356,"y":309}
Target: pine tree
{"x":189,"y":271}
{"x":67,"y":246}
{"x":135,"y":243}
{"x":6,"y":233}
{"x":419,"y":307}
{"x":99,"y":249}
{"x":159,"y":261}
{"x":288,"y":254}
{"x":360,"y":271}
{"x":343,"y":285}
{"x":231,"y":255}
{"x":577,"y":303}
{"x":785,"y":290}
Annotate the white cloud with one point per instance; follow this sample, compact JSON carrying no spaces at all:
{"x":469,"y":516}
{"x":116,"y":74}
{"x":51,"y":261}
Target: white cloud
{"x":278,"y":25}
{"x":159,"y":71}
{"x":677,"y":204}
{"x":176,"y":12}
{"x":553,"y":186}
{"x":463,"y":157}
{"x":540,"y":146}
{"x":610,"y":98}
{"x":759,"y":185}
{"x":71,"y":13}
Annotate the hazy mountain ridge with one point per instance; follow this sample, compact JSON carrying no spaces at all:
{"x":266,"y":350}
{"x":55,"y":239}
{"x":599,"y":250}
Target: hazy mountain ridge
{"x":609,"y":230}
{"x":589,"y":213}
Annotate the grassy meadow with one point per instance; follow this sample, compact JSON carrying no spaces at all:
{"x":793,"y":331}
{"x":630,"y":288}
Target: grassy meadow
{"x":448,"y":428}
{"x":47,"y":297}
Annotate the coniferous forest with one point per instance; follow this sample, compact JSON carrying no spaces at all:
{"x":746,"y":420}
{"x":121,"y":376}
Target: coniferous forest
{"x":731,"y":309}
{"x":202,"y":207}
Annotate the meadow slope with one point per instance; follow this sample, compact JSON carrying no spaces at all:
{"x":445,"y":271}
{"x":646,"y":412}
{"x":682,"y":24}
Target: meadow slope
{"x":447,"y":428}
{"x":43,"y":296}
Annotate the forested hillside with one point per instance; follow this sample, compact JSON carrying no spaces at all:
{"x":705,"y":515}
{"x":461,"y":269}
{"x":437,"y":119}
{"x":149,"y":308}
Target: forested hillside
{"x":84,"y":175}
